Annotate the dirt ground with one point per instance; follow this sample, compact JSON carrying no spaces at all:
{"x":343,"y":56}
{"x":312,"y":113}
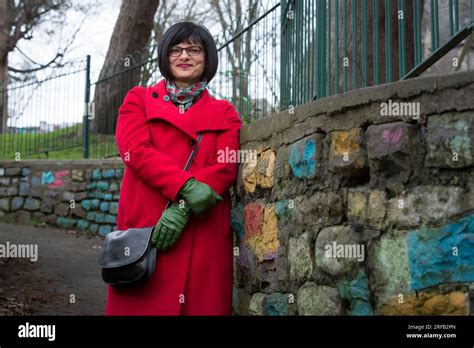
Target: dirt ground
{"x":65,"y":280}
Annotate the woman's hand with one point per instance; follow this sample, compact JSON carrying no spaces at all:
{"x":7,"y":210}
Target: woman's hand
{"x":170,"y":226}
{"x":199,"y":196}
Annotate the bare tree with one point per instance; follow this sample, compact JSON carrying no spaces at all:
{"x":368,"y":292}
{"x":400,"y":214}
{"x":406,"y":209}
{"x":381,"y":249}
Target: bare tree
{"x":233,"y":20}
{"x":132,"y":33}
{"x":18,"y":19}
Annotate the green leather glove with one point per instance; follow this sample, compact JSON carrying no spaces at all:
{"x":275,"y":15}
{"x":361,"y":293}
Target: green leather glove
{"x":170,"y":226}
{"x":199,"y":196}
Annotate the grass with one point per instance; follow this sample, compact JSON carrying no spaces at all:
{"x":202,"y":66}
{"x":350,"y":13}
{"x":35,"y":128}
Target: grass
{"x":60,"y":144}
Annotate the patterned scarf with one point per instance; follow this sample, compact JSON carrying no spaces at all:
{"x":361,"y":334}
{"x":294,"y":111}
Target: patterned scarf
{"x":185,"y":96}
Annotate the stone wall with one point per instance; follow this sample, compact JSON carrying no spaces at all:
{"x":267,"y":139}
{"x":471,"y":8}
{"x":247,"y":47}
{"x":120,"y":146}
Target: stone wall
{"x":348,"y":211}
{"x":81,"y":195}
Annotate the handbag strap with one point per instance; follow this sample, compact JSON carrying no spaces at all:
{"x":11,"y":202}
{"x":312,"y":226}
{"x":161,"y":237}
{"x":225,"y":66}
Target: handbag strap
{"x":189,"y":161}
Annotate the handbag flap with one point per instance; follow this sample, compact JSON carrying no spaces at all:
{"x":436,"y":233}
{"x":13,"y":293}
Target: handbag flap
{"x":122,"y":248}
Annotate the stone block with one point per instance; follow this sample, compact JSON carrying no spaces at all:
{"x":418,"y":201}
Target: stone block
{"x":91,"y":216}
{"x":110,"y":219}
{"x":108,"y":173}
{"x":102,"y":185}
{"x":313,"y":299}
{"x":77,"y":175}
{"x":367,"y":207}
{"x":51,"y":219}
{"x":32,"y":204}
{"x":91,"y":185}
{"x":347,"y":153}
{"x":442,"y":254}
{"x":426,"y":303}
{"x":276,"y":304}
{"x":24,"y":189}
{"x":261,"y":231}
{"x":390,"y":148}
{"x":65,"y":222}
{"x":99,"y":217}
{"x":450,"y":140}
{"x":94,"y":228}
{"x":79,"y":211}
{"x":17,"y":203}
{"x":83,"y":225}
{"x":265,"y":169}
{"x":96,"y":174}
{"x":5,"y":204}
{"x":68,"y":196}
{"x":13,"y":171}
{"x":305,"y":155}
{"x":22,"y":217}
{"x":104,"y":206}
{"x":113,"y":208}
{"x":388,"y":262}
{"x":299,"y":257}
{"x":104,"y":230}
{"x":61,"y":209}
{"x":256,"y":306}
{"x":425,"y":204}
{"x":339,"y":251}
{"x":25,"y":171}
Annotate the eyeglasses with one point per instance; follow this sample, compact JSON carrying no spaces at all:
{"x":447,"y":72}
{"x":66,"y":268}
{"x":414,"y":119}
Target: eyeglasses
{"x":191,"y":50}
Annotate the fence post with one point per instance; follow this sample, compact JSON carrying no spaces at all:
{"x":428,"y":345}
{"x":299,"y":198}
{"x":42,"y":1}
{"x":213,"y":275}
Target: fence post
{"x":85,"y":123}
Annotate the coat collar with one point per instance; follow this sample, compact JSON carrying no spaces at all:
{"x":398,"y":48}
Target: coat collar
{"x":204,"y":115}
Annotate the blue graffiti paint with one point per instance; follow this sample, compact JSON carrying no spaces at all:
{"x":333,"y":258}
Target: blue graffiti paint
{"x":303,"y":158}
{"x":281,"y":208}
{"x":431,"y":253}
{"x":276,"y":304}
{"x":358,"y":294}
{"x":47,"y":178}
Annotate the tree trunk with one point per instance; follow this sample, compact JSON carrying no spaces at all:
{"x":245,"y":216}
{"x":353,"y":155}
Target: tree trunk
{"x":131,"y":33}
{"x":4,"y":49}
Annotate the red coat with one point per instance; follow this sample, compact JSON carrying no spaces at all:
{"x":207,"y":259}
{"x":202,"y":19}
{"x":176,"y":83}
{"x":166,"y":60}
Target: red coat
{"x":194,"y":276}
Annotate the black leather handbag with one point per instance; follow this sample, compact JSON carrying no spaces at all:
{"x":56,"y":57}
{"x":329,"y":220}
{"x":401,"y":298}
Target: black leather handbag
{"x":127,"y":257}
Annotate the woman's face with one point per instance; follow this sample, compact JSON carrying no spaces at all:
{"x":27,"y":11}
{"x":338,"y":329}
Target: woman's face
{"x":187,"y":68}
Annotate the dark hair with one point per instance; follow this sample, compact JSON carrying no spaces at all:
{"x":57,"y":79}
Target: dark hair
{"x":190,"y":33}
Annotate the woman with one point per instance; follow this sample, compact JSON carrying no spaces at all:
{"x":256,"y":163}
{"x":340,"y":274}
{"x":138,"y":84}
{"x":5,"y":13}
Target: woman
{"x":156,"y":132}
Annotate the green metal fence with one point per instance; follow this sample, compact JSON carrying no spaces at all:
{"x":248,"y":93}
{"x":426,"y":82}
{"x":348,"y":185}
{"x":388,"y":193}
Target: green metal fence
{"x":43,"y":118}
{"x":330,"y":47}
{"x":274,"y":56}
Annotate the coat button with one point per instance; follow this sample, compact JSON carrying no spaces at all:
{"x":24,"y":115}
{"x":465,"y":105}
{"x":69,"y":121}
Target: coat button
{"x":166,"y":98}
{"x":192,"y":142}
{"x":154,"y":95}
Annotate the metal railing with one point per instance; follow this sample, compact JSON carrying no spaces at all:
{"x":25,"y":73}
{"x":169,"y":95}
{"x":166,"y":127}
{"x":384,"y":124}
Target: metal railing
{"x":44,"y":117}
{"x":330,"y":47}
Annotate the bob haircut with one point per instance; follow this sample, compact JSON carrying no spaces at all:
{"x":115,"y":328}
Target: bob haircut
{"x":192,"y":34}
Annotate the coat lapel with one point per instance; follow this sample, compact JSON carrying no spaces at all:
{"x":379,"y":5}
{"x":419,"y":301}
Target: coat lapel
{"x":204,"y":115}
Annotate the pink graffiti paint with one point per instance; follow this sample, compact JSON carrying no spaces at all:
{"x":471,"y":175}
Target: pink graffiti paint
{"x":58,"y":181}
{"x":392,"y":136}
